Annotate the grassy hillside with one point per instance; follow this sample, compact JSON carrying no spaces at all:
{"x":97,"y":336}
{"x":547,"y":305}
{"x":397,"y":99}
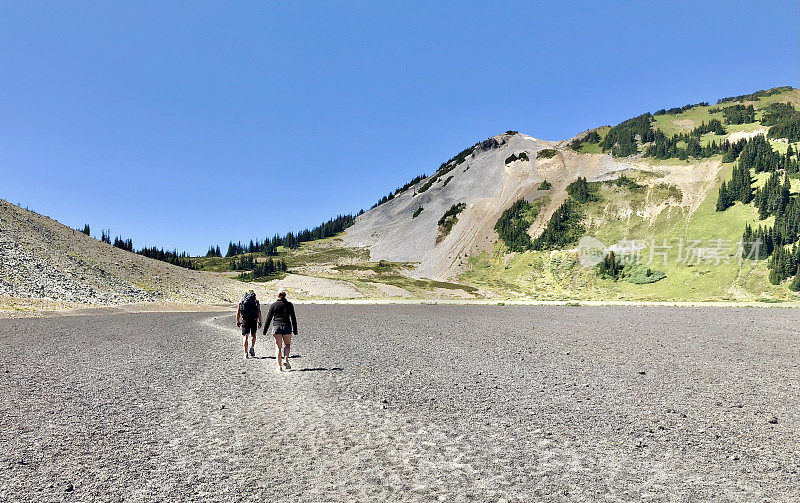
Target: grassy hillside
{"x":699,"y":260}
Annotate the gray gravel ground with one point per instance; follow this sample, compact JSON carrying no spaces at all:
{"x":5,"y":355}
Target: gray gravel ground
{"x":405,"y":403}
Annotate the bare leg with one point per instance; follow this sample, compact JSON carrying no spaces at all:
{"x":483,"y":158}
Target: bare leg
{"x":253,"y":340}
{"x":287,"y":342}
{"x":246,"y":354}
{"x":278,"y":341}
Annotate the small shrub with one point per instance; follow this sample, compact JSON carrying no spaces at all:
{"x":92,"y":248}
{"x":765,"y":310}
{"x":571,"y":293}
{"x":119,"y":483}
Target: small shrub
{"x":610,"y":267}
{"x":644,"y":275}
{"x":545,"y":185}
{"x":522,"y":156}
{"x":546,"y":153}
{"x":417,"y":212}
{"x":448,"y":220}
{"x":624,"y":181}
{"x":452,"y":213}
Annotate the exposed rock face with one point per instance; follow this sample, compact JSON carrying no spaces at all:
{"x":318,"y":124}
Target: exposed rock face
{"x":488,"y":186}
{"x":40,"y":258}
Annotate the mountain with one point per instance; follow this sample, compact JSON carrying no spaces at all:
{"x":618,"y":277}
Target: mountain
{"x":655,"y":177}
{"x":43,"y":259}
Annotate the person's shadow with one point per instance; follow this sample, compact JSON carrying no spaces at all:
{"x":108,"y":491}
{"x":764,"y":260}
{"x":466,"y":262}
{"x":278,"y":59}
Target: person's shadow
{"x":309,"y":369}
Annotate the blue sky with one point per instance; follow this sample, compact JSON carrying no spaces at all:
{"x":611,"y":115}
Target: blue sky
{"x":182,"y":124}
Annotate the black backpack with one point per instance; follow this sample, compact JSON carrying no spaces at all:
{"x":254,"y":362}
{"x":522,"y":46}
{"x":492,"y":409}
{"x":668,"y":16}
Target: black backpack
{"x":249,"y":307}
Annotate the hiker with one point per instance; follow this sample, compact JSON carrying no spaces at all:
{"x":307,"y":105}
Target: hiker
{"x":248,"y":316}
{"x":281,"y":313}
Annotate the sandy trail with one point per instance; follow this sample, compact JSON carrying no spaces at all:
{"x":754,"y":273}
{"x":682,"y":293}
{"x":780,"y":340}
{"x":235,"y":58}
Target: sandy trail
{"x":414,"y":403}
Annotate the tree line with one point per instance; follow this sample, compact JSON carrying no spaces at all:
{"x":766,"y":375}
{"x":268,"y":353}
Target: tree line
{"x":269,"y":246}
{"x":756,"y":154}
{"x":680,"y":110}
{"x":623,"y":139}
{"x":399,"y":190}
{"x":172,"y":257}
{"x":264,"y":269}
{"x":739,"y":114}
{"x":784,"y":121}
{"x":778,"y":242}
{"x":756,"y":95}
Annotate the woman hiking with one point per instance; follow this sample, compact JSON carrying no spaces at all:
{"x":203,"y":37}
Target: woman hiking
{"x":281,"y":313}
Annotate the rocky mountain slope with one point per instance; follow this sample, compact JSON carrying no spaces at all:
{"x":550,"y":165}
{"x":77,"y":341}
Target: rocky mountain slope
{"x":447,"y":222}
{"x":487,"y":185}
{"x":41,"y":258}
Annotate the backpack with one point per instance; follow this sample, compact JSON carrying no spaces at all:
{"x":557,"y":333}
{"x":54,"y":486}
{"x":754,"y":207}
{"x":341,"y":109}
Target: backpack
{"x":249,"y":306}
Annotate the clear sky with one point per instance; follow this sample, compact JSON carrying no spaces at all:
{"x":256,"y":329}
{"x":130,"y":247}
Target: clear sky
{"x":182,"y":124}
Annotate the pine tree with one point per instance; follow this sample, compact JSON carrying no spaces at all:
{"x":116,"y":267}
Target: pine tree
{"x":610,"y":267}
{"x":724,"y":200}
{"x":795,"y":284}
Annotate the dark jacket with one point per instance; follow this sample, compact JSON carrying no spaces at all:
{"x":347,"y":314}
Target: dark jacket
{"x":282,"y":313}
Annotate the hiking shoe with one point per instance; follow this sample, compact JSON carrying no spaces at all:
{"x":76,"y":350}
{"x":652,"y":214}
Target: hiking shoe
{"x":246,"y":356}
{"x":252,"y":351}
{"x":288,"y":367}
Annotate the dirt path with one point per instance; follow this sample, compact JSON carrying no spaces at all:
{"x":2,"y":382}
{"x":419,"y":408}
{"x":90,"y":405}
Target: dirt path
{"x":414,"y":403}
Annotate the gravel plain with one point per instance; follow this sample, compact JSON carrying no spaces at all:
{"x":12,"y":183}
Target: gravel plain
{"x":405,"y":403}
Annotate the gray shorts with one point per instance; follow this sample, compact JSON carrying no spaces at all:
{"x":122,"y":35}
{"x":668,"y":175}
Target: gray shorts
{"x":281,"y":329}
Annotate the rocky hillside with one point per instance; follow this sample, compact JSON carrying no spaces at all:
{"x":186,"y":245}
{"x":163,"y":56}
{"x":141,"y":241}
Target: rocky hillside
{"x":670,"y":162}
{"x":43,"y":259}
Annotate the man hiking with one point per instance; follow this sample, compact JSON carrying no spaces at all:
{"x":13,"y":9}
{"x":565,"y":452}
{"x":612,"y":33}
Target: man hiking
{"x":281,"y":313}
{"x":248,"y":316}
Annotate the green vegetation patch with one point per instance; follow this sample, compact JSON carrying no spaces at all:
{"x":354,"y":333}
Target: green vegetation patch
{"x":380,"y":267}
{"x":322,"y":252}
{"x":784,"y":120}
{"x":390,"y":273}
{"x":546,"y":153}
{"x":564,"y":228}
{"x":513,"y":224}
{"x":644,"y":275}
{"x":448,"y":220}
{"x":522,"y":156}
{"x":622,"y":140}
{"x":591,"y":138}
{"x":265,"y":271}
{"x":581,"y":191}
{"x":545,"y":185}
{"x":417,"y":212}
{"x":739,"y":114}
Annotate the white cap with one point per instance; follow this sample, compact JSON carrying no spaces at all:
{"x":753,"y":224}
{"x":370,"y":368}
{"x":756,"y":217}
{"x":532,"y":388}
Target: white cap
{"x":281,"y":291}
